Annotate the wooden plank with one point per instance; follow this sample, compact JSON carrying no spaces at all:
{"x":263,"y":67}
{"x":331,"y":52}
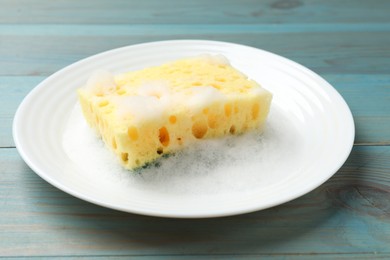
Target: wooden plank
{"x":368,"y":97}
{"x":13,"y":90}
{"x":372,"y":120}
{"x":347,"y":216}
{"x":191,"y":12}
{"x":329,"y":51}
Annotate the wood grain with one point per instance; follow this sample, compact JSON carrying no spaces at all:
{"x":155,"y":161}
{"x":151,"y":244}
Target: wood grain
{"x":349,"y":214}
{"x":192,"y":12}
{"x":42,"y":50}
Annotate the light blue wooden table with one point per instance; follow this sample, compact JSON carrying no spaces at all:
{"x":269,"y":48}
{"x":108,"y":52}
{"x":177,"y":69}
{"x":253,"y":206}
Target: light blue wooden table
{"x":346,"y":42}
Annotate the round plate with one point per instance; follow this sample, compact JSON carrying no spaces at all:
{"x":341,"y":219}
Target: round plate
{"x":309,"y":135}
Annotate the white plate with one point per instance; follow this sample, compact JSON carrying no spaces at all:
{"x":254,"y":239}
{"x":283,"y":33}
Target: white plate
{"x":309,"y":136}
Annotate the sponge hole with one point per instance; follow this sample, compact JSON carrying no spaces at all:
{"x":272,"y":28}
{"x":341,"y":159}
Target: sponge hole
{"x":199,"y":129}
{"x":172,"y":119}
{"x":103,"y":103}
{"x":228,"y":110}
{"x":125,"y":157}
{"x":132,"y":132}
{"x":163,"y":136}
{"x":212,"y":121}
{"x":232,"y":129}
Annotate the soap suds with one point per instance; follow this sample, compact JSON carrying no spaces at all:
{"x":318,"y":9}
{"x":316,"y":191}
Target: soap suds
{"x":158,"y":89}
{"x":100,"y":83}
{"x":199,"y":97}
{"x":233,"y":164}
{"x":153,"y":99}
{"x":138,"y":107}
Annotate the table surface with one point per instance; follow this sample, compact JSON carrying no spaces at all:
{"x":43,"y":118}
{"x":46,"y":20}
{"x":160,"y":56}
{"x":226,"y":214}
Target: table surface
{"x":346,"y":42}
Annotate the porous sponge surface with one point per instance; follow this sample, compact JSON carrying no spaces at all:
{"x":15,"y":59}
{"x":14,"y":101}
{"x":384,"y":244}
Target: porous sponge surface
{"x":144,"y":114}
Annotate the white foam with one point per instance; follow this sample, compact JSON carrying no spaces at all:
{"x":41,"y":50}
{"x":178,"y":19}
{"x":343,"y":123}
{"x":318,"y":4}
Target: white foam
{"x":228,"y":165}
{"x":199,"y":97}
{"x":101,"y":82}
{"x":138,"y":107}
{"x":158,"y":89}
{"x":154,"y":99}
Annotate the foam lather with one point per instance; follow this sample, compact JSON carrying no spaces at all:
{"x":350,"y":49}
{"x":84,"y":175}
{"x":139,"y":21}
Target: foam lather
{"x":142,"y":115}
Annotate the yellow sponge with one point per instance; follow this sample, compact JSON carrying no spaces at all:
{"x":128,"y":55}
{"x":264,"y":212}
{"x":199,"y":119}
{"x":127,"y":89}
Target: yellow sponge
{"x":144,"y":114}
